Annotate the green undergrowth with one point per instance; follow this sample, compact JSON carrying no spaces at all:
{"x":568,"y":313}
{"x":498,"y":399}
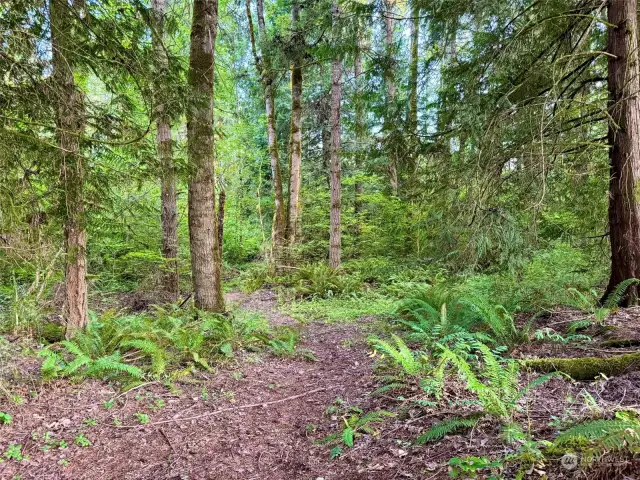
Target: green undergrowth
{"x":339,"y":309}
{"x":168,"y":343}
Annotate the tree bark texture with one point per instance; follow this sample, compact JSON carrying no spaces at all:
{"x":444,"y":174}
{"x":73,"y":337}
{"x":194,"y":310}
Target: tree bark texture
{"x":203,"y":237}
{"x":295,"y":177}
{"x":624,"y":145}
{"x":70,"y":165}
{"x":164,"y":145}
{"x":360,"y":131}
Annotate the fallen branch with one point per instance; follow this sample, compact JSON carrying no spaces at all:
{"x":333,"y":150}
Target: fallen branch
{"x":241,"y":407}
{"x":586,"y":368}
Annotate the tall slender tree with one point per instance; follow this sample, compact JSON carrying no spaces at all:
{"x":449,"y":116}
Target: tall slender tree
{"x":70,"y":162}
{"x":413,"y":68}
{"x":335,"y":234}
{"x":165,"y":150}
{"x":390,"y":82}
{"x":267,"y":78}
{"x":360,"y":129}
{"x":203,"y":237}
{"x":295,"y":149}
{"x":624,"y":145}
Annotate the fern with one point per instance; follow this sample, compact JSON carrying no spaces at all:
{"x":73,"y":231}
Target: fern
{"x":439,"y":430}
{"x":615,"y":298}
{"x":620,"y":433}
{"x":152,"y":350}
{"x":400,"y":353}
{"x":112,"y":364}
{"x":495,"y":317}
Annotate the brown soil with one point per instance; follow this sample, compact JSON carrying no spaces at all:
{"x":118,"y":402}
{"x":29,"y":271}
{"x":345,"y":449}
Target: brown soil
{"x":270,"y":410}
{"x":273,"y":441}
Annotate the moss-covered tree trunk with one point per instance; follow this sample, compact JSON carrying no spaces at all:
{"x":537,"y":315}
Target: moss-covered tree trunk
{"x":335,"y":234}
{"x":70,"y":163}
{"x":624,"y":146}
{"x":169,"y":213}
{"x":295,"y":151}
{"x":203,"y":237}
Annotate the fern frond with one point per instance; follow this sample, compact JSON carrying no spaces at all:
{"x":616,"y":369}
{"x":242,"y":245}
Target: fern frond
{"x":113,"y":364}
{"x":617,"y":295}
{"x":613,"y":434}
{"x":151,"y":349}
{"x":439,"y":430}
{"x":401,"y":353}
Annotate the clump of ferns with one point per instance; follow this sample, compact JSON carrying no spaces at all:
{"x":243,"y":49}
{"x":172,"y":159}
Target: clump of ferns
{"x":597,"y":439}
{"x":472,"y":316}
{"x":132,"y":347}
{"x":493,"y":382}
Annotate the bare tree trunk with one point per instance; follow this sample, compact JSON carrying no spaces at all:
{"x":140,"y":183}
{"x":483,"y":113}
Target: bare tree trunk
{"x":222,"y":200}
{"x":263,"y":65}
{"x":323,"y":118}
{"x":203,"y":237}
{"x":70,"y":165}
{"x":391,"y":92}
{"x":624,"y":141}
{"x":359,"y":134}
{"x":165,"y":153}
{"x":295,"y":178}
{"x":335,"y":234}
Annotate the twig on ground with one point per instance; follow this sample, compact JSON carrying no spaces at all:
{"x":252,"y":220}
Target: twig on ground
{"x":222,"y":410}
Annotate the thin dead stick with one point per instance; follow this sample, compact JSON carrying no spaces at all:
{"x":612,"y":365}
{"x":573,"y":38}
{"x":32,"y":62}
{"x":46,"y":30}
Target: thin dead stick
{"x":241,"y":407}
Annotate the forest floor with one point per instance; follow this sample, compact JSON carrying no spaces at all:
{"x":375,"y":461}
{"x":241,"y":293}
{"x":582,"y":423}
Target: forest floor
{"x":259,"y":415}
{"x":186,"y":437}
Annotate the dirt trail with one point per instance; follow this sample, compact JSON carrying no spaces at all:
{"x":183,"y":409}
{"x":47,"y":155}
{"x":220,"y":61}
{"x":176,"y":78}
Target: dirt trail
{"x":267,"y":442}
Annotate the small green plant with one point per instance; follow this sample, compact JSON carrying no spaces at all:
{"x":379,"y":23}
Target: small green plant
{"x":547,"y":334}
{"x":142,"y":417}
{"x":475,"y":467}
{"x":5,"y":418}
{"x":82,"y":441}
{"x":285,"y":344}
{"x":108,"y":405}
{"x":63,"y":462}
{"x":90,"y":422}
{"x":356,"y":423}
{"x":14,"y":452}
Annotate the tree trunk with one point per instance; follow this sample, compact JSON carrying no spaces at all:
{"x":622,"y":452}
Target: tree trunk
{"x":203,"y":237}
{"x":413,"y":69}
{"x":624,"y":146}
{"x":263,"y":66}
{"x":323,"y":119}
{"x":359,"y":134}
{"x":222,"y":200}
{"x":165,"y":153}
{"x":70,"y":165}
{"x":335,"y":234}
{"x":295,"y":178}
{"x":391,"y":93}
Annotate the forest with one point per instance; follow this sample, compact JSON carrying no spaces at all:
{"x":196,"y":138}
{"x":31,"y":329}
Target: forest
{"x":319,"y":239}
